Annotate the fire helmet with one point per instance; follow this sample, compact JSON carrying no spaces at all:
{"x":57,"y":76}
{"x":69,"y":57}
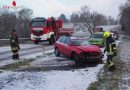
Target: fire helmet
{"x":106,"y":34}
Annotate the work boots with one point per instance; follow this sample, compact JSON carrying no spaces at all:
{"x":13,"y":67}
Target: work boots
{"x":15,"y":57}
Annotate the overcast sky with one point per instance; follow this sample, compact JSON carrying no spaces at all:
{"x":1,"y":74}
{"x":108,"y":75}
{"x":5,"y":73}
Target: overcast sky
{"x":47,"y":8}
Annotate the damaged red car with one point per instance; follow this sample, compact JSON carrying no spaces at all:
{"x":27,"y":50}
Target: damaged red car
{"x":78,"y":49}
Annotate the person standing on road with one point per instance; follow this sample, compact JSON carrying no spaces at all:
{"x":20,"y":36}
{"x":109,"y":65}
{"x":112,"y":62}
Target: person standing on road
{"x":14,"y":42}
{"x":110,"y":48}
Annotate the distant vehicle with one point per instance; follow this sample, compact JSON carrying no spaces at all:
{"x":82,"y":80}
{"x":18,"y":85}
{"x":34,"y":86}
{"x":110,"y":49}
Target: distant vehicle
{"x":115,"y":34}
{"x":97,"y":39}
{"x":98,"y":29}
{"x":78,"y":49}
{"x":47,"y":30}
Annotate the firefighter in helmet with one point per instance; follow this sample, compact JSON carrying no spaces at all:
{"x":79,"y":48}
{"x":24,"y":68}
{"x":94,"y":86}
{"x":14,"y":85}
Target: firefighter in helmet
{"x":110,"y":48}
{"x":14,"y":42}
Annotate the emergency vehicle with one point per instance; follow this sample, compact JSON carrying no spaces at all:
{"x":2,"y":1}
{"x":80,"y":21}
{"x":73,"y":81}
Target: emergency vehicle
{"x":50,"y":29}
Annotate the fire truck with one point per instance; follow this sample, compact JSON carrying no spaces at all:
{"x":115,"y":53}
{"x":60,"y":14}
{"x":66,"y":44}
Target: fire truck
{"x":47,"y":30}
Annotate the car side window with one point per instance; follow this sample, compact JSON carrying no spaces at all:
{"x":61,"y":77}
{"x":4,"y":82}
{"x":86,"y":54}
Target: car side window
{"x":68,"y":40}
{"x":60,"y":39}
{"x":92,"y":36}
{"x":64,"y":38}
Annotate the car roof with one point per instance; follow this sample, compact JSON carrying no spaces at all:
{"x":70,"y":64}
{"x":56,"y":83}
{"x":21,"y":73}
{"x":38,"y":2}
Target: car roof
{"x":76,"y":38}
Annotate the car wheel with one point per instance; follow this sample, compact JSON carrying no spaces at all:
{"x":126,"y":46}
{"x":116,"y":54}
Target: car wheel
{"x":76,"y":58}
{"x":36,"y":42}
{"x":57,"y":53}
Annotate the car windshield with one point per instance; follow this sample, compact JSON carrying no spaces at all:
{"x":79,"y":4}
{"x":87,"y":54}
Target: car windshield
{"x":80,"y":42}
{"x":96,"y":36}
{"x":38,"y":24}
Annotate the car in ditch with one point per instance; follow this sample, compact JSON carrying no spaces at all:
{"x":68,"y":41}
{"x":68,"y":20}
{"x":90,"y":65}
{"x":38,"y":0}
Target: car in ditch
{"x":79,"y":49}
{"x":97,"y":39}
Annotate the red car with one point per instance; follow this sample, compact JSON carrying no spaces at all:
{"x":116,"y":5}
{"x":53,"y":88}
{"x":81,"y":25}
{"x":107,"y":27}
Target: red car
{"x":78,"y":49}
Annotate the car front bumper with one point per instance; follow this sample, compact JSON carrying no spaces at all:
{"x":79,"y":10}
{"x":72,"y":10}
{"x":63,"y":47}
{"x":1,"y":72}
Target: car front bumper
{"x":91,"y":59}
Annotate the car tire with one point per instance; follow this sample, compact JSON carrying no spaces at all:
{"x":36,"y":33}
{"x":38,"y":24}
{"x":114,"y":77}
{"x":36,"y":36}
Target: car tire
{"x":57,"y":53}
{"x":36,"y":42}
{"x":51,"y":40}
{"x":76,"y":58}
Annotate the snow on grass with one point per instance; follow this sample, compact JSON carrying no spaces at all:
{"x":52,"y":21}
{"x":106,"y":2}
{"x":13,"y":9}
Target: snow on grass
{"x":78,"y":79}
{"x":55,"y":80}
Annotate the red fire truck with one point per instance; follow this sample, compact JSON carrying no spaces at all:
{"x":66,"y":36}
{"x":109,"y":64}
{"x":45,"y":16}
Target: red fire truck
{"x":47,"y":30}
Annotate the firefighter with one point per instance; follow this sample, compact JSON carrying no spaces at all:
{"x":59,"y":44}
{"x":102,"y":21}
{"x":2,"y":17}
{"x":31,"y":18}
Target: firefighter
{"x":110,"y":48}
{"x":14,"y":42}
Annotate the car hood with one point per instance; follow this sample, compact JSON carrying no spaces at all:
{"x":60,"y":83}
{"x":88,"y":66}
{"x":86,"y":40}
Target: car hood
{"x":91,"y":48}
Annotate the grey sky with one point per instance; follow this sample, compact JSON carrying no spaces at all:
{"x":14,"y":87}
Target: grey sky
{"x":47,"y":8}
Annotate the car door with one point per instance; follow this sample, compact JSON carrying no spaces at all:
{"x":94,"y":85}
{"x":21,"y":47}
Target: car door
{"x":62,"y":45}
{"x":58,"y":43}
{"x":68,"y":47}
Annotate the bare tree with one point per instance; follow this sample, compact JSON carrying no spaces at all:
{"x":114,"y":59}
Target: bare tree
{"x":75,"y":19}
{"x":91,"y":19}
{"x":125,"y":17}
{"x":24,"y":17}
{"x":63,"y":18}
{"x":88,"y":20}
{"x":101,"y":19}
{"x":20,"y":21}
{"x":111,"y":21}
{"x":7,"y":23}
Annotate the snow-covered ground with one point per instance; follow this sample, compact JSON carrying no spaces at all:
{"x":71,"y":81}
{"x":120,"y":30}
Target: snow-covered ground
{"x":73,"y":79}
{"x":78,"y":79}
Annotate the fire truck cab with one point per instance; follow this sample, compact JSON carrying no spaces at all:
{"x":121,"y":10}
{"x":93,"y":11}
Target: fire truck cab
{"x":45,"y":29}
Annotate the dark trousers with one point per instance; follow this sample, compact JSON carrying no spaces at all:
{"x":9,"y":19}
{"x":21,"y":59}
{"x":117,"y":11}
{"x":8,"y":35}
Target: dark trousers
{"x":111,"y":65}
{"x":109,"y":58}
{"x":15,"y":54}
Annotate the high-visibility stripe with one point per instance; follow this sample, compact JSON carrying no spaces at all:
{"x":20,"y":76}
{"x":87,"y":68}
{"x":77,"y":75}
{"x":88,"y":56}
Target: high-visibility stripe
{"x":111,"y":64}
{"x":13,"y":41}
{"x":15,"y":53}
{"x":110,"y":47}
{"x":110,"y":53}
{"x":115,"y":48}
{"x":113,"y":43}
{"x":14,"y":48}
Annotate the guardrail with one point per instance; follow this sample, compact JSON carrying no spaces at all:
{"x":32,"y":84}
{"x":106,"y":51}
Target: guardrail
{"x":4,"y":42}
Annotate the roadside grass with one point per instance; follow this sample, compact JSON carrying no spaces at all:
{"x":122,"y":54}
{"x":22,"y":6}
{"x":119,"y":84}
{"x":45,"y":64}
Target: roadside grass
{"x":17,"y":65}
{"x":107,"y":80}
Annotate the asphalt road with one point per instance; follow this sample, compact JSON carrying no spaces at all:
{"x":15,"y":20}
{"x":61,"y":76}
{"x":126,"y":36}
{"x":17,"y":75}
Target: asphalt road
{"x":26,"y":49}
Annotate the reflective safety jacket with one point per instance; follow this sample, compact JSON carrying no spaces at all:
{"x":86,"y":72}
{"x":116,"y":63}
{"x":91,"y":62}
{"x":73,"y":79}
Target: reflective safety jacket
{"x":110,"y":46}
{"x":14,"y":42}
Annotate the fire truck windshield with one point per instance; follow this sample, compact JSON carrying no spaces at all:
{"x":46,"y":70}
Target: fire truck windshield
{"x":38,"y":24}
